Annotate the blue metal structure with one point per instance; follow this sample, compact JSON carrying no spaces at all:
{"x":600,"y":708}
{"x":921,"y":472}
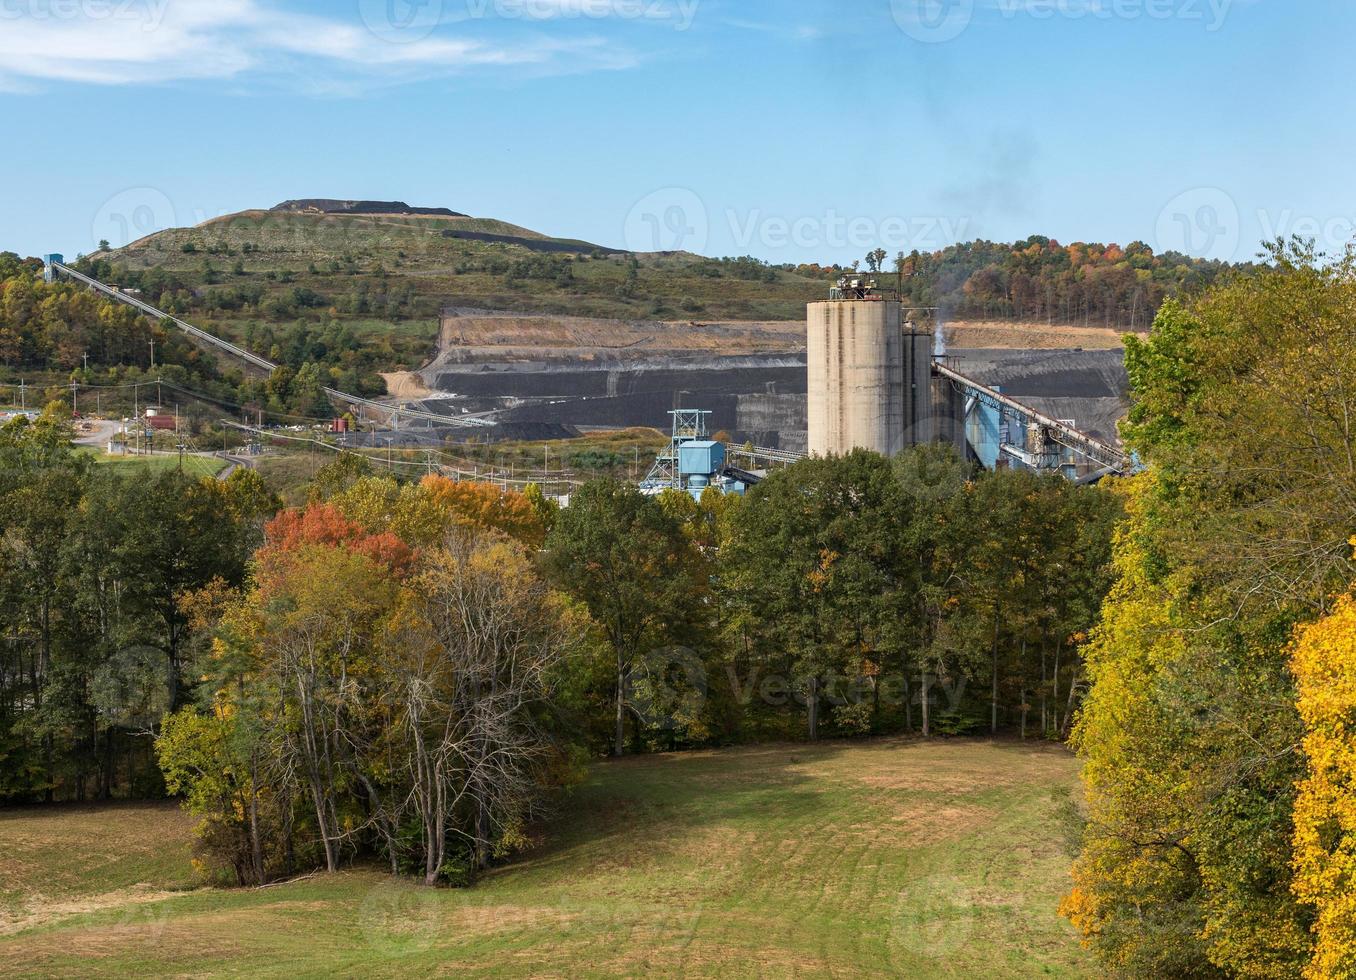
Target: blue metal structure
{"x":692,"y":462}
{"x":1000,"y":428}
{"x":701,"y":457}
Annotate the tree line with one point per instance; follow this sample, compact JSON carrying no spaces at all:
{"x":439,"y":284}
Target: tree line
{"x":1084,"y":283}
{"x":66,"y":333}
{"x":1217,"y":740}
{"x":409,"y":671}
{"x":96,"y":644}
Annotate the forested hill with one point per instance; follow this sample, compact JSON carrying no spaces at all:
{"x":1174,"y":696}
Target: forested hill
{"x":1040,"y":279}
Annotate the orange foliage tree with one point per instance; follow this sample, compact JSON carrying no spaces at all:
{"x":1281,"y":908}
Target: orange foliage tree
{"x":487,"y":506}
{"x":326,"y":525}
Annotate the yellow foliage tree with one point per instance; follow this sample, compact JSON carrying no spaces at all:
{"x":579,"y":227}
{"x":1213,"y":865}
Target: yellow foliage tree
{"x":1324,"y":664}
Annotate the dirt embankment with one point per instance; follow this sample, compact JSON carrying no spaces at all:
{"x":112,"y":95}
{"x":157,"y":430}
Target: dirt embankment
{"x":503,"y":332}
{"x":406,"y":385}
{"x":476,"y":340}
{"x":1030,"y":336}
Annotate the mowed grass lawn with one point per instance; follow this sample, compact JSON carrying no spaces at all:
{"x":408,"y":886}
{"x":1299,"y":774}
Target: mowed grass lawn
{"x":883,"y":858}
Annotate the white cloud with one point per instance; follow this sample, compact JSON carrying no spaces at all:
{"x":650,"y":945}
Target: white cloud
{"x":122,"y":42}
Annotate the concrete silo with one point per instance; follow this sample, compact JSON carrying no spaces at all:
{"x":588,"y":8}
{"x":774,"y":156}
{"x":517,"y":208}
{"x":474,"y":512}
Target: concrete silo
{"x":857,"y":385}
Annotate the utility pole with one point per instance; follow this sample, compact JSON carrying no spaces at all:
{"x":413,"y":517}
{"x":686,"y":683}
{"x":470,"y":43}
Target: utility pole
{"x":152,"y":353}
{"x":87,"y":361}
{"x":23,"y":397}
{"x":75,"y":409}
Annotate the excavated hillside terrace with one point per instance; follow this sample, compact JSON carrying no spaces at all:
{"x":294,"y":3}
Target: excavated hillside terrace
{"x":586,"y":373}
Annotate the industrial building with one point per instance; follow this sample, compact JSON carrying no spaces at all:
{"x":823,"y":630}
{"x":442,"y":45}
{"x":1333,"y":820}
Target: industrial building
{"x":873,"y":380}
{"x":876,"y":383}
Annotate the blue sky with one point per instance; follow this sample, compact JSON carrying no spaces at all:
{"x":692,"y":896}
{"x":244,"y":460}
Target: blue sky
{"x":789,"y":129}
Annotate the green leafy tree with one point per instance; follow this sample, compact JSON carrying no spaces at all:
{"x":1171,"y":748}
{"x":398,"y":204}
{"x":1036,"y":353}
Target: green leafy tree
{"x":811,"y":559}
{"x":631,"y":565}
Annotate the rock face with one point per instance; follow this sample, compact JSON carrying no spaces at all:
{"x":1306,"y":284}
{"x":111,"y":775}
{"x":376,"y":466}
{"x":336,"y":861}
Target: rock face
{"x":324,"y":205}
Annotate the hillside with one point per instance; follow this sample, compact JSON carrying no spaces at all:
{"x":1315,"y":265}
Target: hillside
{"x":883,"y":858}
{"x":362,"y":290}
{"x":320,"y":257}
{"x":303,"y":260}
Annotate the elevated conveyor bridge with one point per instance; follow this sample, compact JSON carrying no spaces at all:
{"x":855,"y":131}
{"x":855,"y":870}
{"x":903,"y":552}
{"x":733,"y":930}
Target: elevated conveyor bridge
{"x":393,"y":413}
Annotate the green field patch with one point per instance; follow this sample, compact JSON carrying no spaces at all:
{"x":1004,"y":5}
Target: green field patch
{"x":885,"y":858}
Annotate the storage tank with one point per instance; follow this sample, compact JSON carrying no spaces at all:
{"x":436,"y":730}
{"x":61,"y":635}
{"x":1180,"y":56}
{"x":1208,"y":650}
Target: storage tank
{"x":855,"y":351}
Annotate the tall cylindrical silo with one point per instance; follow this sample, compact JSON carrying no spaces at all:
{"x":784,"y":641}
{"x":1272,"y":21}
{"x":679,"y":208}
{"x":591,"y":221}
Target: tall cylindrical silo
{"x":856,"y":377}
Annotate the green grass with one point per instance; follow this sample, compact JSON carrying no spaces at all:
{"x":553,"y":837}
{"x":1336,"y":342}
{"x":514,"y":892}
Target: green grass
{"x":72,"y":853}
{"x":196,"y":466}
{"x":623,"y":453}
{"x":883,"y":858}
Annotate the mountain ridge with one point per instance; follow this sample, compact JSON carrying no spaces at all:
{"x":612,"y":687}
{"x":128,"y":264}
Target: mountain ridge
{"x":326,"y":205}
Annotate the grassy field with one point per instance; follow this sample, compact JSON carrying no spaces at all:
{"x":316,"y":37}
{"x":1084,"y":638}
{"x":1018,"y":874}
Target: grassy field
{"x":868,"y":859}
{"x":194,"y":466}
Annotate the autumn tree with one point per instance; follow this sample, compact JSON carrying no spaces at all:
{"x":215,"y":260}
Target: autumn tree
{"x":1242,"y":409}
{"x":1324,"y":664}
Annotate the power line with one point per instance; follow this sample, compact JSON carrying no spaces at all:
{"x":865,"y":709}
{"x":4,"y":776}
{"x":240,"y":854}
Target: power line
{"x":474,"y":474}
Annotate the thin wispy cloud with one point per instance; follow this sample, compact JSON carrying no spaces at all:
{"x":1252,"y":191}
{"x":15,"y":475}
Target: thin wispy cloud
{"x":155,"y":41}
{"x":673,"y":12}
{"x":784,"y":31}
